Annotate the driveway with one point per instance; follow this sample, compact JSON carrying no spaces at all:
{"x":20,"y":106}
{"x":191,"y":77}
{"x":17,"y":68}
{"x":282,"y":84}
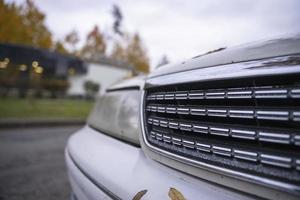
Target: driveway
{"x":32,"y":163}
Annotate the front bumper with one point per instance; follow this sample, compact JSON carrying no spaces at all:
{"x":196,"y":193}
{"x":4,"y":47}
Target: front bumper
{"x":101,"y":167}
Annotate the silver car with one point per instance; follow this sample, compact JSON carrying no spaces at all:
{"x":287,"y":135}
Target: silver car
{"x":223,"y":125}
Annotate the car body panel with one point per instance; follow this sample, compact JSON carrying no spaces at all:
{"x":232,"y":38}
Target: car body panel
{"x":258,"y":61}
{"x":215,"y":174}
{"x":132,"y":83}
{"x":280,"y":66}
{"x":125,"y":170}
{"x":258,"y":68}
{"x":83,"y":188}
{"x":102,"y":155}
{"x":286,"y":45}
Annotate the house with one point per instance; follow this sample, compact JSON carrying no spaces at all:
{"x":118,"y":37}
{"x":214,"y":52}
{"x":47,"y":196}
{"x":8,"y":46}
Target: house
{"x":103,"y":71}
{"x":100,"y":70}
{"x":54,"y":65}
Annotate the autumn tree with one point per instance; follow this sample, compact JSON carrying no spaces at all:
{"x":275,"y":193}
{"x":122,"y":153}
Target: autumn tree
{"x":137,"y":55}
{"x":95,"y":44}
{"x":133,"y":52}
{"x":128,"y":47}
{"x":59,"y":47}
{"x":118,"y":17}
{"x":12,"y":29}
{"x":119,"y":52}
{"x":34,"y":21}
{"x":71,"y":40}
{"x":23,"y":24}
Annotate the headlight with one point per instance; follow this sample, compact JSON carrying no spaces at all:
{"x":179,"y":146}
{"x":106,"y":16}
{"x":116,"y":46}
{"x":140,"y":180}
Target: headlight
{"x":116,"y":113}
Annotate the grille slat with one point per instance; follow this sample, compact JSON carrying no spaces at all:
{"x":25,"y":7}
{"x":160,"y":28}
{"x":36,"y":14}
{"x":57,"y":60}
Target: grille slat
{"x":266,"y":114}
{"x":280,"y":137}
{"x":246,"y":155}
{"x":250,"y":127}
{"x":254,"y":92}
{"x":268,"y":159}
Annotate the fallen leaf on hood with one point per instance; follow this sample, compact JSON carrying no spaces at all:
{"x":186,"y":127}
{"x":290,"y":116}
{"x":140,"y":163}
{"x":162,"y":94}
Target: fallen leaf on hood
{"x":175,"y":194}
{"x":139,"y":195}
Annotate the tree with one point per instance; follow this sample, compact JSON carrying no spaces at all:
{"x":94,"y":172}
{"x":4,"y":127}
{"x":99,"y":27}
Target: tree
{"x":56,"y":87}
{"x":95,"y":44}
{"x":163,"y":61}
{"x":119,"y":52}
{"x":128,"y":48}
{"x":8,"y":76}
{"x":12,"y":28}
{"x":23,"y":24}
{"x":132,"y":52}
{"x":59,"y":47}
{"x":91,"y":88}
{"x":34,"y":21}
{"x":72,"y":39}
{"x":118,"y":17}
{"x":137,"y":55}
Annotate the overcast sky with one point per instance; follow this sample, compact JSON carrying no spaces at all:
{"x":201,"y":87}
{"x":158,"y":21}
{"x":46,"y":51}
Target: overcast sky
{"x":179,"y":29}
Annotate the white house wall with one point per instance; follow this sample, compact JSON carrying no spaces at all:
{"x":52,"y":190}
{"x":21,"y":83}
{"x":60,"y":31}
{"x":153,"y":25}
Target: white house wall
{"x":104,"y":75}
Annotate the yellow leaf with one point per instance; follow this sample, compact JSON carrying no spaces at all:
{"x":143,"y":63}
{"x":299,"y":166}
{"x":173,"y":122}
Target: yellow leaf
{"x":175,"y":194}
{"x":139,"y":195}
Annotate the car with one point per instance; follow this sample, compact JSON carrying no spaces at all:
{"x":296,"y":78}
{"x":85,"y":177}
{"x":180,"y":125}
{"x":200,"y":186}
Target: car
{"x":222,"y":125}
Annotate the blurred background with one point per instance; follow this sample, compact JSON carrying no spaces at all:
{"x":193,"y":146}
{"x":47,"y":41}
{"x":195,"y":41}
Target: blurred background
{"x":56,"y":57}
{"x":45,"y":75}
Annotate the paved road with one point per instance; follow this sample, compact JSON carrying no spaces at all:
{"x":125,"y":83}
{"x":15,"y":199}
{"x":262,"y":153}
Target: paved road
{"x":32,"y":163}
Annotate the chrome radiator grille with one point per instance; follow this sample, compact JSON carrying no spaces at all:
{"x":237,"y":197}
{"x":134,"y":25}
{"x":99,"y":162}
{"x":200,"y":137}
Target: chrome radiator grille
{"x":251,"y":126}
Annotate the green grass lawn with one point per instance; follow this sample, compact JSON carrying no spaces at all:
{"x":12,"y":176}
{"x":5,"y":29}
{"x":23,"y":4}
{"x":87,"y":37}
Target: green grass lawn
{"x":44,"y":108}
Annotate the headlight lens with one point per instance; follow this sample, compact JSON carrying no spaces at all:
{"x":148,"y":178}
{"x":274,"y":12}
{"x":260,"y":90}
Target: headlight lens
{"x":117,"y":114}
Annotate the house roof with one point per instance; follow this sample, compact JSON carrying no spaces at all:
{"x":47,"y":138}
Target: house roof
{"x":20,"y":54}
{"x":102,"y":59}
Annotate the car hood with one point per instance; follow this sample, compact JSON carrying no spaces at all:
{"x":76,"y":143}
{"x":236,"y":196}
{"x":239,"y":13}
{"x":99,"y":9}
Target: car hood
{"x":286,"y":45}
